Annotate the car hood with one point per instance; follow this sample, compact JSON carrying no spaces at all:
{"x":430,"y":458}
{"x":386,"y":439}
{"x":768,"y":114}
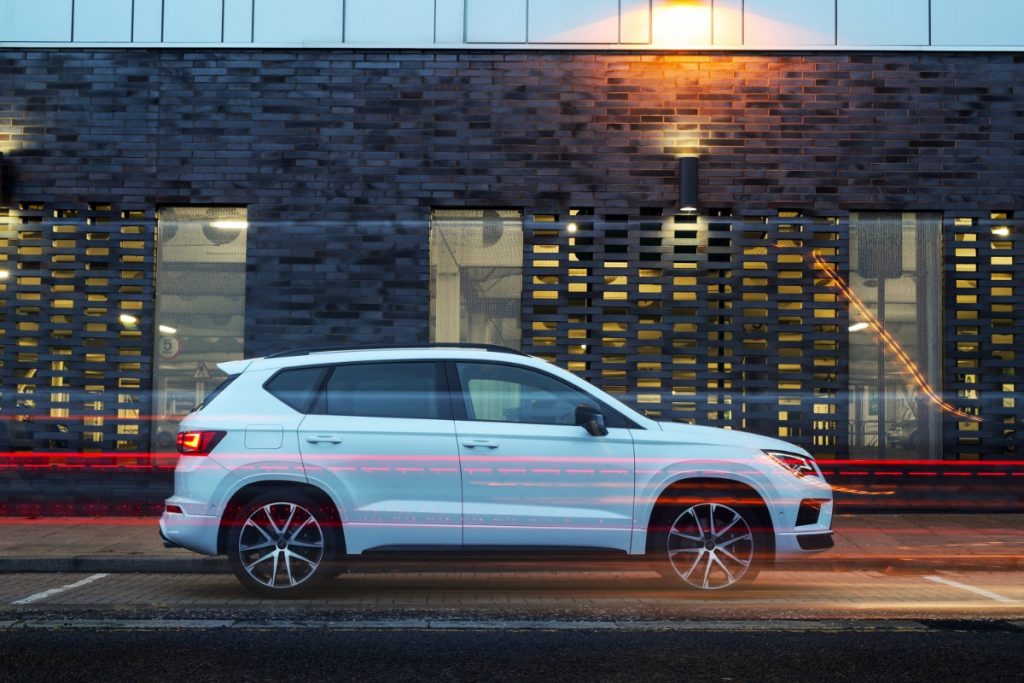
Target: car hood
{"x":727,"y":437}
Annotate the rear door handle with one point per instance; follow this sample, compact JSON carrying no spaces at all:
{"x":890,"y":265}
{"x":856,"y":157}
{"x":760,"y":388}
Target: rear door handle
{"x":324,"y":438}
{"x":480,"y":443}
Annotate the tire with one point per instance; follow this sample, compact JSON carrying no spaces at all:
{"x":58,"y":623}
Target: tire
{"x":283,"y":544}
{"x":706,"y":545}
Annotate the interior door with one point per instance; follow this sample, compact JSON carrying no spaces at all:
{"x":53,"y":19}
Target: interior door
{"x":530,"y":475}
{"x":383,"y":438}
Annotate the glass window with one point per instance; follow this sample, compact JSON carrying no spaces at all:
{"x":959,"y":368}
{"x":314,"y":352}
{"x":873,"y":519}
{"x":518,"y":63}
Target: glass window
{"x":404,"y":390}
{"x":476,"y":276}
{"x":200,"y":308}
{"x":295,"y":387}
{"x":503,"y":393}
{"x":895,"y":335}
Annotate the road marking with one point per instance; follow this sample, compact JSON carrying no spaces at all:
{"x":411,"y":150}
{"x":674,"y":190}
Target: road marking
{"x":54,"y":591}
{"x":973,"y":589}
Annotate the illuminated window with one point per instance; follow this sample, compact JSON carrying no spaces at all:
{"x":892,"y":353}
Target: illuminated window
{"x":895,"y":358}
{"x":476,"y":276}
{"x":200,"y":308}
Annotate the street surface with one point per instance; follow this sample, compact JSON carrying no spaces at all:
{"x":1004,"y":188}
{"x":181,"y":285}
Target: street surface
{"x":521,"y":623}
{"x":586,"y":593}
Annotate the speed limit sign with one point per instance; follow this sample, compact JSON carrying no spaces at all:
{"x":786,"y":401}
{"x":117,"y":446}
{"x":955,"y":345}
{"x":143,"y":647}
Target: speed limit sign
{"x":170,"y":347}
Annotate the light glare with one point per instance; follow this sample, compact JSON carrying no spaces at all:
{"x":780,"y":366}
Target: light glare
{"x":230,"y":225}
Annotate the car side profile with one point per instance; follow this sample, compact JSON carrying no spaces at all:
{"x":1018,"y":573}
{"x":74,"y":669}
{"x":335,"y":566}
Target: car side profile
{"x":299,"y":460}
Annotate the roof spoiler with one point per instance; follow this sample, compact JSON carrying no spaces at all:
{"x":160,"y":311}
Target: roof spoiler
{"x":235,"y":367}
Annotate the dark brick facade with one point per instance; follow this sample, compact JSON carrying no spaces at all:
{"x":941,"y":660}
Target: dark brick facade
{"x":340,"y":155}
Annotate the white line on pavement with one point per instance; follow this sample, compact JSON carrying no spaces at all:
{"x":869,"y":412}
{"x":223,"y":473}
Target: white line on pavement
{"x":973,"y":589}
{"x":54,"y":591}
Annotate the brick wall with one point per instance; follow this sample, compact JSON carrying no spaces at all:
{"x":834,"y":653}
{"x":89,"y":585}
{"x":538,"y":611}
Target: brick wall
{"x":339,"y":155}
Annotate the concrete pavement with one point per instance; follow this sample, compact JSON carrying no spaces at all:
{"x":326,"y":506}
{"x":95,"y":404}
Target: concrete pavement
{"x":870,"y":542}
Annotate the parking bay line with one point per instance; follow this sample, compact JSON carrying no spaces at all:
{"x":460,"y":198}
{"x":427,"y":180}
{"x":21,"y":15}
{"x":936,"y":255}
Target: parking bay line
{"x":973,"y":589}
{"x":54,"y":591}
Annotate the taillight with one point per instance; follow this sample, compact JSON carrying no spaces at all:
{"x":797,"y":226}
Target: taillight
{"x":198,"y":443}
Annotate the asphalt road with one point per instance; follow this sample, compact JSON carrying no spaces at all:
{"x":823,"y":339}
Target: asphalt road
{"x":587,"y":594}
{"x":516,"y":623}
{"x":838,"y":653}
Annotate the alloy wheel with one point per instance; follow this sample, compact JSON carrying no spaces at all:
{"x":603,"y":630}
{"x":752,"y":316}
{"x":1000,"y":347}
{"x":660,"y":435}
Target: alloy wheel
{"x":281,"y":545}
{"x":710,"y":546}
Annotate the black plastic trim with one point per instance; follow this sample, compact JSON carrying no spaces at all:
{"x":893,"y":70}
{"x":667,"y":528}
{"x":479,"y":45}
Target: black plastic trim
{"x":822,"y":541}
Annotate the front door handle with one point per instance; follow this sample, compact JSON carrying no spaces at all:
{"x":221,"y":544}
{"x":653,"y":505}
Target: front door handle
{"x":324,"y":438}
{"x":480,"y":443}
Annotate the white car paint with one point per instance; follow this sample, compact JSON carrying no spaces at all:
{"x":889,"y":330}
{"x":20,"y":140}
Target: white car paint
{"x":416,"y":483}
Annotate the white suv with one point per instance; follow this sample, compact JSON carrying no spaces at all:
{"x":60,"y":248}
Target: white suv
{"x":299,"y":459}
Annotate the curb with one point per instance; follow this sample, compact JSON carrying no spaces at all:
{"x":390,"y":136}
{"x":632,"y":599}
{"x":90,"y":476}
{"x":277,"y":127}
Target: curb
{"x":114,"y":565}
{"x":220,"y":565}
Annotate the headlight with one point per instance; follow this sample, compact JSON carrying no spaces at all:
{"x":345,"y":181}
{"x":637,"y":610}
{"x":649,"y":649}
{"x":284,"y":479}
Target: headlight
{"x":798,"y":465}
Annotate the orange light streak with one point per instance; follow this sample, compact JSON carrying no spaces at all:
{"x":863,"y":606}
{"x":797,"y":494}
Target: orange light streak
{"x":895,"y":348}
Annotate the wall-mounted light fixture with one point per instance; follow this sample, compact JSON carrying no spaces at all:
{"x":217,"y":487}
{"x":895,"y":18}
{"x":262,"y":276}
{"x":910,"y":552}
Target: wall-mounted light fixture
{"x":688,"y":184}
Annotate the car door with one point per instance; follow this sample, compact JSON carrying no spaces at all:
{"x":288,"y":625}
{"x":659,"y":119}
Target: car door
{"x":382,"y":436}
{"x":530,"y":475}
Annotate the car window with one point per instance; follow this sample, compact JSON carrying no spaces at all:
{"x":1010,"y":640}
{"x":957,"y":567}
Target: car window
{"x":295,"y":387}
{"x":213,"y":394}
{"x":408,"y":390}
{"x":504,"y":393}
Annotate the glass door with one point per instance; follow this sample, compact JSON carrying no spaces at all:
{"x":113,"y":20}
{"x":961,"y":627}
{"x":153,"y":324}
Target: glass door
{"x":895,"y":335}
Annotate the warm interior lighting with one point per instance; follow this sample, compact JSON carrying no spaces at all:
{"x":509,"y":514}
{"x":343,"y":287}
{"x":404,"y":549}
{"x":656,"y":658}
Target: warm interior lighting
{"x":1001,"y":231}
{"x":167,"y":329}
{"x":572,"y":227}
{"x":128,"y":319}
{"x":857,"y":327}
{"x":230,"y":225}
{"x":894,"y":348}
{"x":682,"y":22}
{"x":4,"y":274}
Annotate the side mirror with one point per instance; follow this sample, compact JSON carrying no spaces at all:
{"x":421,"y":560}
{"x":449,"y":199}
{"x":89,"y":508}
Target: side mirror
{"x":591,"y":419}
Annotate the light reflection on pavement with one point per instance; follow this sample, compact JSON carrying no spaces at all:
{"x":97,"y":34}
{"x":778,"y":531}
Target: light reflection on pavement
{"x":585,"y":594}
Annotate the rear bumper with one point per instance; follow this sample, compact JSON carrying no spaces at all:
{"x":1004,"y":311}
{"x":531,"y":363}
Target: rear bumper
{"x":194,"y":532}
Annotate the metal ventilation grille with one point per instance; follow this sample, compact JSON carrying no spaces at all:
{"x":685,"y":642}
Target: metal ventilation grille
{"x":984,"y":364}
{"x":76,"y":327}
{"x":476,"y":276}
{"x":719,"y":320}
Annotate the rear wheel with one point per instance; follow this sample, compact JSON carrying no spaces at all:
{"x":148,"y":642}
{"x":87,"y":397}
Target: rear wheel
{"x":709,"y":545}
{"x":283,"y":544}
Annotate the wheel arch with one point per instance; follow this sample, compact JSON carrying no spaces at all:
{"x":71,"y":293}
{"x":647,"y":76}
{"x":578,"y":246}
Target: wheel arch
{"x":240,"y":498}
{"x":696,"y":488}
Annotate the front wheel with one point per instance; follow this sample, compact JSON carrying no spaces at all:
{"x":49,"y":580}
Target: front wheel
{"x":281,"y":545}
{"x":708,"y":545}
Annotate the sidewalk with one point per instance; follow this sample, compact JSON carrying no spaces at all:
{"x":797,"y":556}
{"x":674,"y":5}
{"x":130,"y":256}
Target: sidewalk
{"x":875,"y":542}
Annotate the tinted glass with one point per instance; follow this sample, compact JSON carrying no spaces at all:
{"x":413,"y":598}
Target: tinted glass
{"x":405,"y":390}
{"x":295,"y":387}
{"x":503,"y":393}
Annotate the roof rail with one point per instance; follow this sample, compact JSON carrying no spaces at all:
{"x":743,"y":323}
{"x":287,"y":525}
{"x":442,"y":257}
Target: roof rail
{"x":439,"y":345}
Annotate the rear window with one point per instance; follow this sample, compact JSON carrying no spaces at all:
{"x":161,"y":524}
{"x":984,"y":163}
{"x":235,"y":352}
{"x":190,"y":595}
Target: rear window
{"x":403,"y":390}
{"x":295,"y":388}
{"x":213,"y":394}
